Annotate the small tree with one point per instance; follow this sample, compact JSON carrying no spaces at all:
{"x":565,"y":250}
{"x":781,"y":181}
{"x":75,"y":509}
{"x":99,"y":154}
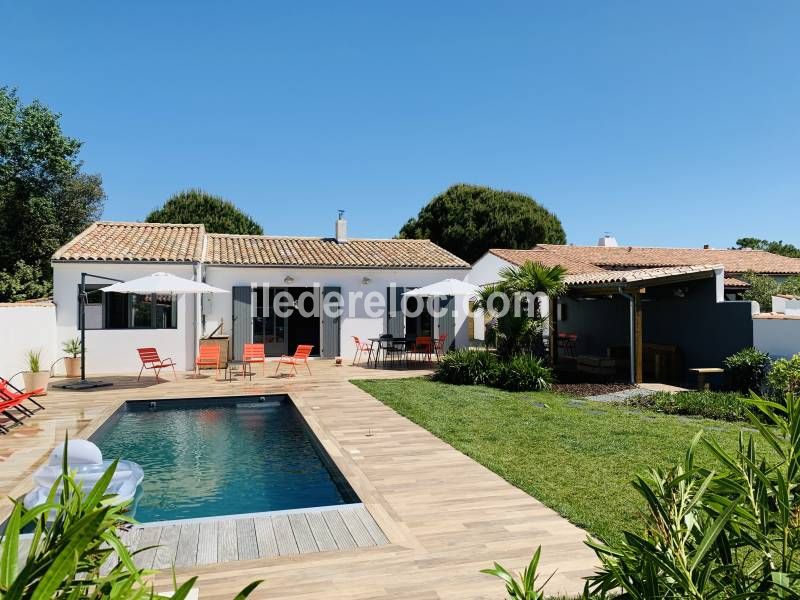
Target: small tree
{"x":196,"y":206}
{"x":467,"y":220}
{"x":519,"y":331}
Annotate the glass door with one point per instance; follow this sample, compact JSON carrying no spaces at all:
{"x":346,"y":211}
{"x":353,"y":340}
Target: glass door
{"x":276,"y":329}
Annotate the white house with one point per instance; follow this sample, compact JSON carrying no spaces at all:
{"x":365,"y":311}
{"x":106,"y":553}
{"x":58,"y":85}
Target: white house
{"x":361,"y":276}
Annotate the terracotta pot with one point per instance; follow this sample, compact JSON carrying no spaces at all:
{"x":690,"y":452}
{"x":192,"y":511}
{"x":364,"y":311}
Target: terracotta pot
{"x":338,"y":361}
{"x":36,"y":380}
{"x":73,"y":366}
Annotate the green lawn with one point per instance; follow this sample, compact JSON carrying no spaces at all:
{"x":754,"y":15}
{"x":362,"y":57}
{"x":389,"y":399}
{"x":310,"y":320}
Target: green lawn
{"x":577,"y":457}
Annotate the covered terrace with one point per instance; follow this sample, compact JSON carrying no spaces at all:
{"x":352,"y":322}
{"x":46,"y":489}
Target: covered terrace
{"x":647,"y":325}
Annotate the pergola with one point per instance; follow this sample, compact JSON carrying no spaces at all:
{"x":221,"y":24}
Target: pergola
{"x":633,"y":285}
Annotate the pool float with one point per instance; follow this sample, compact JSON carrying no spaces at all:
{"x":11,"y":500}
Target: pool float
{"x":86,"y":462}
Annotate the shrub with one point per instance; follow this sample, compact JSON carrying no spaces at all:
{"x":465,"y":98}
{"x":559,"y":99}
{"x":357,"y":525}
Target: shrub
{"x":730,"y":532}
{"x":727,"y":406}
{"x":74,"y":535}
{"x":469,"y":367}
{"x":746,"y":370}
{"x":526,"y":373}
{"x":784,"y":377}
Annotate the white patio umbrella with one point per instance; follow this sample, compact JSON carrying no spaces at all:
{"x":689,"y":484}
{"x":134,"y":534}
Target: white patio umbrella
{"x":446,"y":287}
{"x":163,"y":283}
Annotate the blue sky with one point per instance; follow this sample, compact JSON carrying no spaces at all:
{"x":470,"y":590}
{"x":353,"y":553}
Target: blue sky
{"x":665,"y":123}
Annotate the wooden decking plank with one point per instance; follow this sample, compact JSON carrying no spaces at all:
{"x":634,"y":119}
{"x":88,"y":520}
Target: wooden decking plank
{"x":372,"y":527}
{"x":342,"y":536}
{"x":22,"y":552}
{"x":207,"y":543}
{"x":265,"y":537}
{"x":320,"y":531}
{"x":246,"y":539}
{"x":284,"y":535}
{"x":167,"y":547}
{"x":149,"y":537}
{"x":356,"y":528}
{"x":187,"y":545}
{"x":226,"y":541}
{"x":302,"y":533}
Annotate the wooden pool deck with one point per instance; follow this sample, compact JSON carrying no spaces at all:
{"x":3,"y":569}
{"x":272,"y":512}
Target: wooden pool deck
{"x":444,"y":517}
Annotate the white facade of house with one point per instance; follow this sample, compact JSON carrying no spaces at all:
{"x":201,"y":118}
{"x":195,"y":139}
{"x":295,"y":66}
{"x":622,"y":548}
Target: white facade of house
{"x":487,"y":270}
{"x":114,"y":350}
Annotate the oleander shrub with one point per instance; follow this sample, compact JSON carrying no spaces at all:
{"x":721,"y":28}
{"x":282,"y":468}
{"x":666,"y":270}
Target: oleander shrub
{"x":784,"y":377}
{"x":726,"y":406}
{"x":731,"y":531}
{"x":526,"y":373}
{"x":469,"y":367}
{"x":746,"y":370}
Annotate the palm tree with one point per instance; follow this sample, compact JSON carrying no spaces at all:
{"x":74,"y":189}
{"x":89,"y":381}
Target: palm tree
{"x":513,"y":333}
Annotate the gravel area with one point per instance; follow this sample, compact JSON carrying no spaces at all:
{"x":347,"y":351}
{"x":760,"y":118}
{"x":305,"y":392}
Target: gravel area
{"x":583,"y":390}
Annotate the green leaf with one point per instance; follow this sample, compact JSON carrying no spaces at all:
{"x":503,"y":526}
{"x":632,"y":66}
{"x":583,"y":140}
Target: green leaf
{"x":8,"y":560}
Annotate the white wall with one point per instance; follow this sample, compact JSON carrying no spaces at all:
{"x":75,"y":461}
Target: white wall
{"x":777,"y":337}
{"x":114,"y":350}
{"x":487,"y":270}
{"x":219,"y":307}
{"x":26,"y":327}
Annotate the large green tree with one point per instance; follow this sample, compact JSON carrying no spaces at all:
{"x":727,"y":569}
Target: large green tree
{"x":196,"y":206}
{"x":467,"y":220}
{"x":778,"y":247}
{"x":45,"y":199}
{"x":764,"y":287}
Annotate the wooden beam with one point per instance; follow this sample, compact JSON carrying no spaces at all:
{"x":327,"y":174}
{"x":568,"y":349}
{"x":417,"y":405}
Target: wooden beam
{"x":638,"y":338}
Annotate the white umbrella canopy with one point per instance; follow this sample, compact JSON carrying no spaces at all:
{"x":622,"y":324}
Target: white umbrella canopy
{"x":163,"y":283}
{"x":446,"y":287}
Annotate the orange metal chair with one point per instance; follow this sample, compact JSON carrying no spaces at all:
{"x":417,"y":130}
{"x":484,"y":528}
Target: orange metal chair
{"x":300,"y":357}
{"x":151,"y":360}
{"x":254,"y":353}
{"x":361,"y":347}
{"x":207,"y":357}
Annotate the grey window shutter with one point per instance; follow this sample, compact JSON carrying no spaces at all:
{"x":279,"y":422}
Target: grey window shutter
{"x":331,"y":326}
{"x":447,"y":321}
{"x":395,"y":322}
{"x":242,"y":320}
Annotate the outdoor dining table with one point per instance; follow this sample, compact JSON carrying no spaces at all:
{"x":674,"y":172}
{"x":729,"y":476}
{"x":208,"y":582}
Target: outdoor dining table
{"x":383,"y":343}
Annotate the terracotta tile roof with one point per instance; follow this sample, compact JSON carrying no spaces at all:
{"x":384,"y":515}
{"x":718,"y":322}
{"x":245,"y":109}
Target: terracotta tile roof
{"x":604,"y":277}
{"x":156,"y":242}
{"x":734,"y":261}
{"x":774,"y":315}
{"x":327,"y":252}
{"x":545,"y":256}
{"x":733,"y":282}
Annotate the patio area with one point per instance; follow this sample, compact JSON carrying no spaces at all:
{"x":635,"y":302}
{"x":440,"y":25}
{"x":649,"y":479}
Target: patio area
{"x":445,"y":516}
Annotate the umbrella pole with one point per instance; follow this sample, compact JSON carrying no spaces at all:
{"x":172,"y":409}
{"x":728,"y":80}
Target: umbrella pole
{"x":85,"y":384}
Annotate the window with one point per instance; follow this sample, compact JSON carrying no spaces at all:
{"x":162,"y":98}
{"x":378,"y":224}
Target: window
{"x":129,"y":311}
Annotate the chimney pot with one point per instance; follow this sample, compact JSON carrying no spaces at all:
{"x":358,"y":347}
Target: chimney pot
{"x":706,"y":246}
{"x":341,"y":228}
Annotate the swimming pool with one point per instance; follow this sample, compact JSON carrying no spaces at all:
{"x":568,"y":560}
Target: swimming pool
{"x":222,"y":456}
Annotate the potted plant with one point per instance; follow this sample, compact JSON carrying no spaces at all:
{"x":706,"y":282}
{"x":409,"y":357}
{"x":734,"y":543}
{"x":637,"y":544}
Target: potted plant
{"x":72,"y":363}
{"x":34,"y":377}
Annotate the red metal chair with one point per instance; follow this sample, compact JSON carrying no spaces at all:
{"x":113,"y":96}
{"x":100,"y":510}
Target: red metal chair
{"x":362,"y":347}
{"x":5,"y":405}
{"x":424,"y":345}
{"x":208,"y":356}
{"x":151,"y":360}
{"x":300,"y":357}
{"x":254,"y":353}
{"x":8,"y":391}
{"x":438,"y":345}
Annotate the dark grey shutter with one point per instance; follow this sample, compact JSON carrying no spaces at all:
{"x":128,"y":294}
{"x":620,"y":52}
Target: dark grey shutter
{"x":331,"y":342}
{"x":447,"y":321}
{"x":242,"y":319}
{"x":395,"y":322}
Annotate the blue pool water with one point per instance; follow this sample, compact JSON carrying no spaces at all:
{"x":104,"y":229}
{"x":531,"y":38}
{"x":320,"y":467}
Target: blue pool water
{"x":222,"y":456}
